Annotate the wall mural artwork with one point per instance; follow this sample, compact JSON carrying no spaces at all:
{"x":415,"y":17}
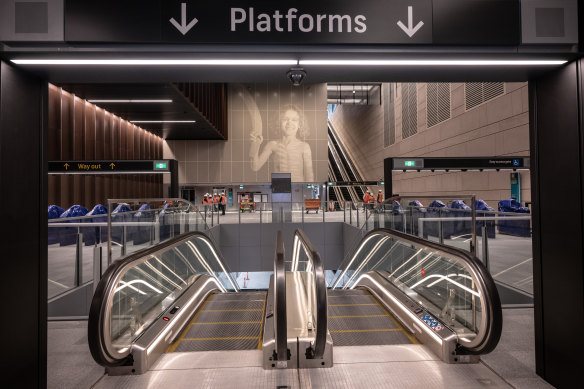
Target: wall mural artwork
{"x":284,"y":130}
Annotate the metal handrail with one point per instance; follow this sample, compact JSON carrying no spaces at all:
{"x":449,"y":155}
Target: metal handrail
{"x":491,"y":315}
{"x":320,"y":289}
{"x":280,"y":318}
{"x":99,"y":313}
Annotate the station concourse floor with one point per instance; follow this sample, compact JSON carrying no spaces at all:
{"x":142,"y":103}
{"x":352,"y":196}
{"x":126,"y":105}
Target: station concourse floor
{"x":511,"y":365}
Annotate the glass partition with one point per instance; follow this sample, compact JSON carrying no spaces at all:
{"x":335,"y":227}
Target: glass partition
{"x":77,"y":244}
{"x":139,"y":223}
{"x":142,"y":286}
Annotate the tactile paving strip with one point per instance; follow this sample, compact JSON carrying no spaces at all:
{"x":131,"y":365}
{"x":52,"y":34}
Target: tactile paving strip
{"x":225,"y":322}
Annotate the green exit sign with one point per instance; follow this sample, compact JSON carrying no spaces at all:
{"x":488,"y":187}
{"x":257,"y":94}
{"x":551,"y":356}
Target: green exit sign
{"x":240,"y":186}
{"x":330,"y":184}
{"x":410,"y":163}
{"x":160,"y":165}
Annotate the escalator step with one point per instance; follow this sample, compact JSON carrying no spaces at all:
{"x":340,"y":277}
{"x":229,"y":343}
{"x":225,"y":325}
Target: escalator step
{"x":355,"y":317}
{"x":226,"y":321}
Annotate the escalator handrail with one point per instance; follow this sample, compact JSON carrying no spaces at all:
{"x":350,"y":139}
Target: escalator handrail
{"x":280,"y":317}
{"x":492,"y":326}
{"x":320,"y":293}
{"x":98,"y":324}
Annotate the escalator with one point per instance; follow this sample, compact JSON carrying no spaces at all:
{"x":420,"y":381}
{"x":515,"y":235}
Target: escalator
{"x":179,"y":296}
{"x":398,"y":289}
{"x":393,"y":289}
{"x":342,"y":166}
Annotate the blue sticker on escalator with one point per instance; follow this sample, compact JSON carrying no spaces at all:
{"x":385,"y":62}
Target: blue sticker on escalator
{"x":430,"y":321}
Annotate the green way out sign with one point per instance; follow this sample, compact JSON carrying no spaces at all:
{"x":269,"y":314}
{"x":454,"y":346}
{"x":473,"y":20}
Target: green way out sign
{"x":109,"y":167}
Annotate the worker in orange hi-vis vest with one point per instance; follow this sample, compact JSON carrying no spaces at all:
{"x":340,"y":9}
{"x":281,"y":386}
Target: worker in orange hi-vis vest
{"x":223,"y":203}
{"x":379,"y":201}
{"x":206,"y":203}
{"x":366,"y":198}
{"x":215,"y":202}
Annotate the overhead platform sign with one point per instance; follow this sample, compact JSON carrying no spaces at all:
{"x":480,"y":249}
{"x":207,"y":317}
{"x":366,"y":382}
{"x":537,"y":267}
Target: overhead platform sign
{"x":418,"y":22}
{"x":390,"y":22}
{"x":110,"y":167}
{"x":480,"y":163}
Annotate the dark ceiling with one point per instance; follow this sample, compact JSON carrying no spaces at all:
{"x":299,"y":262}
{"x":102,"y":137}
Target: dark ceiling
{"x":135,"y":82}
{"x":177,"y":110}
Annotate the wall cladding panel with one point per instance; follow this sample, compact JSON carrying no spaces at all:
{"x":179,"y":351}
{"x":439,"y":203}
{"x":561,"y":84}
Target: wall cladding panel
{"x":497,"y":127}
{"x":82,"y":131}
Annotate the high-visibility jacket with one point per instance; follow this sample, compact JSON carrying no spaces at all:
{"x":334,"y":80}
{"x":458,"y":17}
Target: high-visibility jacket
{"x":380,"y":197}
{"x":366,"y":198}
{"x":205,"y":200}
{"x":215,"y":199}
{"x":223,"y":200}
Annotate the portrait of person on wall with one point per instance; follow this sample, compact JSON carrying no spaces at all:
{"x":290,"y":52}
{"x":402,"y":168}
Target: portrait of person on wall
{"x":290,"y":153}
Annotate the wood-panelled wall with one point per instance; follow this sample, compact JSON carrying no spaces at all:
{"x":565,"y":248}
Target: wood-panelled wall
{"x":210,"y":100}
{"x":79,"y":130}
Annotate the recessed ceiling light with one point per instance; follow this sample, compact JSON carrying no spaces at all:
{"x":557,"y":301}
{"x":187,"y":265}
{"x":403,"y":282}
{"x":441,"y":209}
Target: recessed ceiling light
{"x":156,"y":62}
{"x":445,"y":62}
{"x":130,"y":101}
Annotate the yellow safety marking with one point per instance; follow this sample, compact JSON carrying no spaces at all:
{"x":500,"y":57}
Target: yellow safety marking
{"x":260,"y":337}
{"x":233,"y":310}
{"x":174,"y":345}
{"x":406,"y":333}
{"x":227,"y":322}
{"x":347,"y":305}
{"x":330,"y":317}
{"x":373,"y":330}
{"x":224,"y":338}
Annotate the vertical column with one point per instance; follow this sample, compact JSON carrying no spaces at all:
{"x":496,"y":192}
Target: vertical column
{"x":556,"y":139}
{"x":23,"y":179}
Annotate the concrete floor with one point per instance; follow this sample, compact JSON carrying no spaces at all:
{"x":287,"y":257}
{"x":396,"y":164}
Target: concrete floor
{"x":512,"y":364}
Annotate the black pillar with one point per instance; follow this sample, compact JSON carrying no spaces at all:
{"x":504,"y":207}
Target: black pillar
{"x":23,"y":195}
{"x":557,"y":178}
{"x":173,"y":191}
{"x":388,"y":177}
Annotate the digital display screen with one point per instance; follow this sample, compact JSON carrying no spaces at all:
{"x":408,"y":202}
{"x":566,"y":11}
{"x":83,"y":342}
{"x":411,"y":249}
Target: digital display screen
{"x":281,"y":185}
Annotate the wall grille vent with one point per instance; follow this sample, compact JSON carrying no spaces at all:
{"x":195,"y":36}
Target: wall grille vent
{"x":409,"y":109}
{"x":438,"y":103}
{"x":389,"y":114}
{"x":476,"y":93}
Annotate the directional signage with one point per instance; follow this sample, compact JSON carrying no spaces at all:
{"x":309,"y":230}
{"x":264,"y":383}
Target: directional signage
{"x":460,"y":163}
{"x":248,"y":21}
{"x":109,"y":167}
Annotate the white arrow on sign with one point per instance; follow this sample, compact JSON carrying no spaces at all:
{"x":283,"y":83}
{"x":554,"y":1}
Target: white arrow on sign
{"x":183,"y":27}
{"x":410,"y":29}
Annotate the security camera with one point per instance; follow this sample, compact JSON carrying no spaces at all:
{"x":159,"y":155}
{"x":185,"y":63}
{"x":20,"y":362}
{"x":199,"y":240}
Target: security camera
{"x":296,"y":75}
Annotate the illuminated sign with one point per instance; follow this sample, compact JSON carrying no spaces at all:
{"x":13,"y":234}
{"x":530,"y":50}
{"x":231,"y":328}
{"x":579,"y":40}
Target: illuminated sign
{"x":109,"y":167}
